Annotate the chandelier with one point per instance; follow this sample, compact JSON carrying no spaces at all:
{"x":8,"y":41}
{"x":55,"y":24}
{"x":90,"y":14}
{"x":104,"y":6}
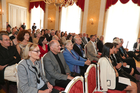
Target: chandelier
{"x":61,"y":3}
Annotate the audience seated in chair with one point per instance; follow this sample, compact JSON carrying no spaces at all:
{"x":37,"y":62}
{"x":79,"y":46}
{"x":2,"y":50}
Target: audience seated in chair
{"x":8,"y":58}
{"x":100,"y":44}
{"x":129,"y":60}
{"x":42,"y":44}
{"x":136,"y":47}
{"x":120,"y":66}
{"x":23,"y":38}
{"x":73,"y":59}
{"x":30,"y":76}
{"x":56,"y":69}
{"x":92,"y":53}
{"x":109,"y":76}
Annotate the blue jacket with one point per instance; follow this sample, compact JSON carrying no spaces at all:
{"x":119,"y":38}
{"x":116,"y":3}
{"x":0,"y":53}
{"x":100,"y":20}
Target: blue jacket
{"x":71,"y":61}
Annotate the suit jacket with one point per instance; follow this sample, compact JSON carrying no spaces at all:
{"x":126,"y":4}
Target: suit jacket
{"x":77,"y":50}
{"x":91,"y":52}
{"x":84,"y":40}
{"x":23,"y":26}
{"x":107,"y":74}
{"x":100,"y":45}
{"x":71,"y":61}
{"x":135,"y":46}
{"x":27,"y":76}
{"x":52,"y":68}
{"x":33,"y":27}
{"x":48,"y":37}
{"x":63,"y":39}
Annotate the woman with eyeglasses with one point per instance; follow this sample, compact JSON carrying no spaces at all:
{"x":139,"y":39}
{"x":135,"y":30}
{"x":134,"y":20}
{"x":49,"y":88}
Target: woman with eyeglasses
{"x":109,"y":76}
{"x":31,"y":78}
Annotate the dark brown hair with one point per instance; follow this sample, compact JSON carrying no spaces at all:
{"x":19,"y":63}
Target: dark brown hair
{"x":21,"y":34}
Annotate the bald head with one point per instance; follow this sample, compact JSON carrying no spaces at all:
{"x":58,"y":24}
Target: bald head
{"x":54,"y":46}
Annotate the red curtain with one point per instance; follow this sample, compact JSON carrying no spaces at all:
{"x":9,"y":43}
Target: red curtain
{"x":113,"y":2}
{"x":136,"y":2}
{"x":36,"y":4}
{"x":81,"y":4}
{"x":110,"y":2}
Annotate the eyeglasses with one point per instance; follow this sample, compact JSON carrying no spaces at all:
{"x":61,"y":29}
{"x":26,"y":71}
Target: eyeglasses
{"x":37,"y":51}
{"x":6,"y":39}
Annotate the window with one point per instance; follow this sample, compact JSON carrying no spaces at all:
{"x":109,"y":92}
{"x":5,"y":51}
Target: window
{"x":122,"y":21}
{"x":71,"y":19}
{"x":37,"y":17}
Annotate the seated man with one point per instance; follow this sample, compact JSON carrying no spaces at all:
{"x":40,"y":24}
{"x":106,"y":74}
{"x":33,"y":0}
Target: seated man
{"x":130,"y":61}
{"x":127,"y":54}
{"x":8,"y":57}
{"x":100,"y":44}
{"x":136,"y":47}
{"x":92,"y":53}
{"x":56,"y":69}
{"x":77,"y":46}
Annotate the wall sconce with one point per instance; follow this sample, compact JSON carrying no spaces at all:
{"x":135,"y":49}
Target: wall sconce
{"x":50,"y":19}
{"x":1,"y":11}
{"x":91,"y":21}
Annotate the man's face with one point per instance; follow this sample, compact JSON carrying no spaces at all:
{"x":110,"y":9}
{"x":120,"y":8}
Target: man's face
{"x":5,"y":42}
{"x":8,"y":29}
{"x":93,"y":39}
{"x":78,"y":40}
{"x":56,"y":47}
{"x":14,"y":30}
{"x":138,"y":40}
{"x":52,"y":33}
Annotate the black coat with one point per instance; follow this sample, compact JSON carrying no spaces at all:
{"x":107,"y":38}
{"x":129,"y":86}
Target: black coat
{"x":77,"y":50}
{"x":7,"y":58}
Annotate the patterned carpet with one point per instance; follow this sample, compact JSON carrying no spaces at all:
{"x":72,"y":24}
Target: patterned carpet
{"x":12,"y":88}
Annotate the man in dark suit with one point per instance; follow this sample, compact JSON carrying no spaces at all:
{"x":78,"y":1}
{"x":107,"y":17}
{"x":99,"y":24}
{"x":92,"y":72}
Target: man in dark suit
{"x":77,"y":46}
{"x":120,"y":66}
{"x":130,"y":61}
{"x":100,"y":44}
{"x":56,"y":69}
{"x":136,"y":47}
{"x":34,"y":26}
{"x":48,"y":35}
{"x":23,"y":26}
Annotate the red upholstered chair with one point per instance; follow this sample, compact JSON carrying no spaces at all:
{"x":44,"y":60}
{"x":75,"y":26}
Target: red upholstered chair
{"x":75,"y":85}
{"x":56,"y":87}
{"x":90,"y":79}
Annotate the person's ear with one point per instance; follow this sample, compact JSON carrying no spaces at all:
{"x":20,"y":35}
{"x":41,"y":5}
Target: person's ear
{"x":29,"y":53}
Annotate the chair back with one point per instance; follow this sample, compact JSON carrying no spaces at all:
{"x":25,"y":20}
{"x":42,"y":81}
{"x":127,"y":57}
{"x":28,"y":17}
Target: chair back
{"x":42,"y":63}
{"x":17,"y":71}
{"x":75,"y":85}
{"x":90,"y":79}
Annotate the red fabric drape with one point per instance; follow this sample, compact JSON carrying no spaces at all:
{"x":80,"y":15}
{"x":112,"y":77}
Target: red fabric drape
{"x":36,"y":4}
{"x":81,"y":4}
{"x":124,"y":1}
{"x":136,"y":2}
{"x":110,"y":2}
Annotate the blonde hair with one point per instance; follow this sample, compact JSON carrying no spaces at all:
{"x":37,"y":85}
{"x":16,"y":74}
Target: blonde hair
{"x":117,"y":41}
{"x":29,"y":47}
{"x":67,"y":42}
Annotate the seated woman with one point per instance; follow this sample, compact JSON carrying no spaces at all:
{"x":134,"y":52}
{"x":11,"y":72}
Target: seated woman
{"x":109,"y":76}
{"x":73,"y":59}
{"x":38,"y":35}
{"x":23,"y":38}
{"x":42,"y":44}
{"x":31,"y":78}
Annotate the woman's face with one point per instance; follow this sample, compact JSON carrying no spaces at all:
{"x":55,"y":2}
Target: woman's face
{"x":38,"y":35}
{"x":44,"y":41}
{"x":42,"y":33}
{"x":112,"y":50}
{"x":69,"y":46}
{"x":26,"y":36}
{"x":35,"y":53}
{"x":70,"y":38}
